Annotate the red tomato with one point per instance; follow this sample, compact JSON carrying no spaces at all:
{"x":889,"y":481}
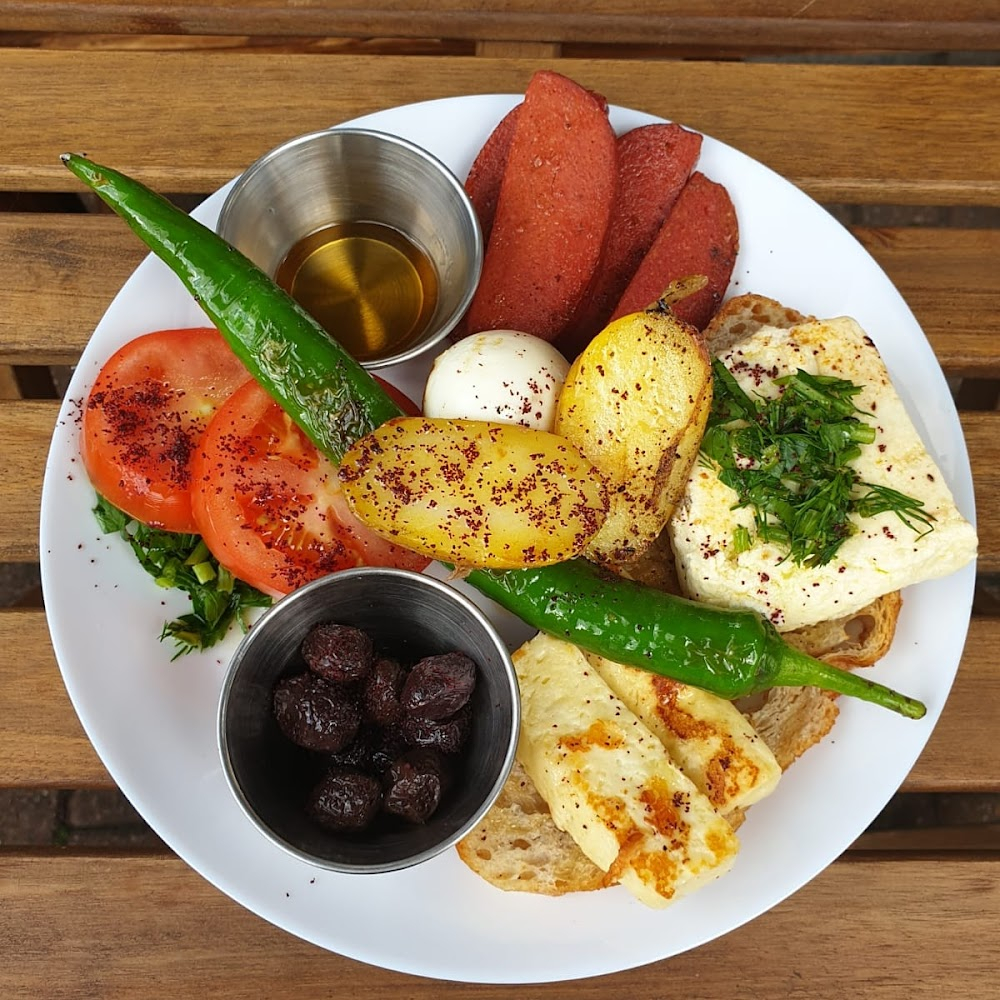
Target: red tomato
{"x":268,"y":504}
{"x":145,"y":415}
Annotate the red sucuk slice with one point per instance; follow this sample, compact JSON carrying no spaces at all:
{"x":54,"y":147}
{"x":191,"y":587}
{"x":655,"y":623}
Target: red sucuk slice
{"x":555,"y":202}
{"x":486,"y":174}
{"x":700,"y":236}
{"x":654,"y":163}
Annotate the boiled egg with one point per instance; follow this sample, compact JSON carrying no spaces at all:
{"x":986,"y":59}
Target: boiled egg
{"x":499,"y":375}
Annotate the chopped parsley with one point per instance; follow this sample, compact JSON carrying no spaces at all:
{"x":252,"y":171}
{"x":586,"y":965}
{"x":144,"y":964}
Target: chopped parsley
{"x":789,"y":460}
{"x":183,"y":562}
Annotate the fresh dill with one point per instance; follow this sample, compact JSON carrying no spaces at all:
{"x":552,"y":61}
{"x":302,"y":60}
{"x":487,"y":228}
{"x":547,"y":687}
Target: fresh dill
{"x":182,"y":561}
{"x":789,"y":460}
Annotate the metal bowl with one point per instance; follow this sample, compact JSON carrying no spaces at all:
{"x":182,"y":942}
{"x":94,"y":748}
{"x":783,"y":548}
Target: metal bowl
{"x":409,"y":615}
{"x":341,"y":176}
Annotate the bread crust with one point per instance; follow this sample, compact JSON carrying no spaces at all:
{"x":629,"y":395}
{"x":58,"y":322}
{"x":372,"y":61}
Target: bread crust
{"x":518,"y":847}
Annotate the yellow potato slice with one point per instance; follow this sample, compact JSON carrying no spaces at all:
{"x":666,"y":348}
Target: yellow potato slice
{"x":635,"y":402}
{"x":474,"y":493}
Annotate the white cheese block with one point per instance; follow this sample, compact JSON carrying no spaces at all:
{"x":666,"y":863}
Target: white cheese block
{"x":884,"y":555}
{"x":609,"y":781}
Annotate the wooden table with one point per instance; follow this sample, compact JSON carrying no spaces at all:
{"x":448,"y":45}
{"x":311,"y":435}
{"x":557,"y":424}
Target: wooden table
{"x":183,"y":95}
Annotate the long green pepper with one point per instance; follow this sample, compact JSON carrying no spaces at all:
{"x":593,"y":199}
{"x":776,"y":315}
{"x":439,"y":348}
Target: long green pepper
{"x":335,"y":401}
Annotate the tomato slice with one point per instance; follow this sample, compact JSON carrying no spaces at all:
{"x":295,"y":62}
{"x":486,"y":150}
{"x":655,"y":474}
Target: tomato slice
{"x":145,"y":415}
{"x":269,"y":506}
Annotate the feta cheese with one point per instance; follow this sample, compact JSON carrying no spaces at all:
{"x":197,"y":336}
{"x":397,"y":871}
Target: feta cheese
{"x":882,"y":556}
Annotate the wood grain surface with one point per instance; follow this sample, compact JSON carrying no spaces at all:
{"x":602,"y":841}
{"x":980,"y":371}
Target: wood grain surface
{"x":753,"y":24}
{"x":57,"y":293}
{"x":200,"y":124}
{"x":905,"y":922}
{"x":184,"y":95}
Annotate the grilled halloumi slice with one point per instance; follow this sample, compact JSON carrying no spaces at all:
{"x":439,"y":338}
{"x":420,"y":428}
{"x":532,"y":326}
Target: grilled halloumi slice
{"x":882,"y":556}
{"x":609,"y":781}
{"x":705,"y":735}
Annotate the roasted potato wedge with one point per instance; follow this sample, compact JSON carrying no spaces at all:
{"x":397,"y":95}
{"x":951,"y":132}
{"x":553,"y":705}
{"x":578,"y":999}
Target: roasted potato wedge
{"x":635,"y":402}
{"x":473,"y":493}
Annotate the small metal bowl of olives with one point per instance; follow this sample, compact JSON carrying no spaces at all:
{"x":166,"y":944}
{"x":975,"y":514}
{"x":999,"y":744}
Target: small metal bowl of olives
{"x":369,"y":719}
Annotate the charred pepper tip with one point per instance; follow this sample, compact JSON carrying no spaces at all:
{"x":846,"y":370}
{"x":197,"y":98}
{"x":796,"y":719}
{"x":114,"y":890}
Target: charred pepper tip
{"x":795,"y":668}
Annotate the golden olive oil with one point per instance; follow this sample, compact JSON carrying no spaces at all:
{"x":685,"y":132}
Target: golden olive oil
{"x":368,"y":285}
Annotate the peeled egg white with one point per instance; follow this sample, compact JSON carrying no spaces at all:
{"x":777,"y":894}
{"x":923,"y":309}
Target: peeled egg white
{"x":499,"y":375}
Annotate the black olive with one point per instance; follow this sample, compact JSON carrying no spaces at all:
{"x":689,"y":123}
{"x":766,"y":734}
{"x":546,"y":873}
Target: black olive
{"x":345,"y":800}
{"x":438,"y":686}
{"x":338,"y":652}
{"x":314,"y":713}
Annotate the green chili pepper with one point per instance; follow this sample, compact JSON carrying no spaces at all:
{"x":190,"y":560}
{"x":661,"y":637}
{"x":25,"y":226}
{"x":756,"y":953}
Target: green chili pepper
{"x":335,"y":401}
{"x":730,"y":653}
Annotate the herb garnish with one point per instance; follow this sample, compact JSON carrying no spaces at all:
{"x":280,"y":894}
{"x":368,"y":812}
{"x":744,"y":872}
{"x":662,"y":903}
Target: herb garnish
{"x":788,"y":458}
{"x":182,"y":561}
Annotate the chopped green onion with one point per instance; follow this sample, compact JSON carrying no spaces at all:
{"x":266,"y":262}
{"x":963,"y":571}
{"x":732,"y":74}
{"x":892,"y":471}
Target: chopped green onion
{"x":741,"y":539}
{"x":184,"y":562}
{"x":203,"y":571}
{"x":789,"y":459}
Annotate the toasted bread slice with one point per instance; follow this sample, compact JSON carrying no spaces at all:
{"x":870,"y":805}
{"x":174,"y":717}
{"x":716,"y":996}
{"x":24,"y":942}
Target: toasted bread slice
{"x":790,"y":720}
{"x":857,"y":640}
{"x":742,"y":316}
{"x":517,"y":846}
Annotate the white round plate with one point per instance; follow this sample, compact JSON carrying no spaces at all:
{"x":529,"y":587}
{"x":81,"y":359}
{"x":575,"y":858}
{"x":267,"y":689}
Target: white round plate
{"x":153,"y":721}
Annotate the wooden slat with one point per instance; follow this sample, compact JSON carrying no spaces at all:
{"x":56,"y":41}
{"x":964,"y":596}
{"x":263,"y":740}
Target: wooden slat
{"x":42,"y":744}
{"x":902,"y":24}
{"x":517,"y":49}
{"x":9,"y":389}
{"x":25,"y":430}
{"x":946,"y":275}
{"x":62,"y":271}
{"x":982,"y":437}
{"x":245,"y":43}
{"x":962,"y":755}
{"x":72,"y":927}
{"x":202,"y":122}
{"x":961,"y":837}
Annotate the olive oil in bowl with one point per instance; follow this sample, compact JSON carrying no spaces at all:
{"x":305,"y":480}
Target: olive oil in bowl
{"x":366,"y":283}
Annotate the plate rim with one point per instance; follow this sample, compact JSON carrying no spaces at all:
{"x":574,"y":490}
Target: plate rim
{"x":591,"y":967}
